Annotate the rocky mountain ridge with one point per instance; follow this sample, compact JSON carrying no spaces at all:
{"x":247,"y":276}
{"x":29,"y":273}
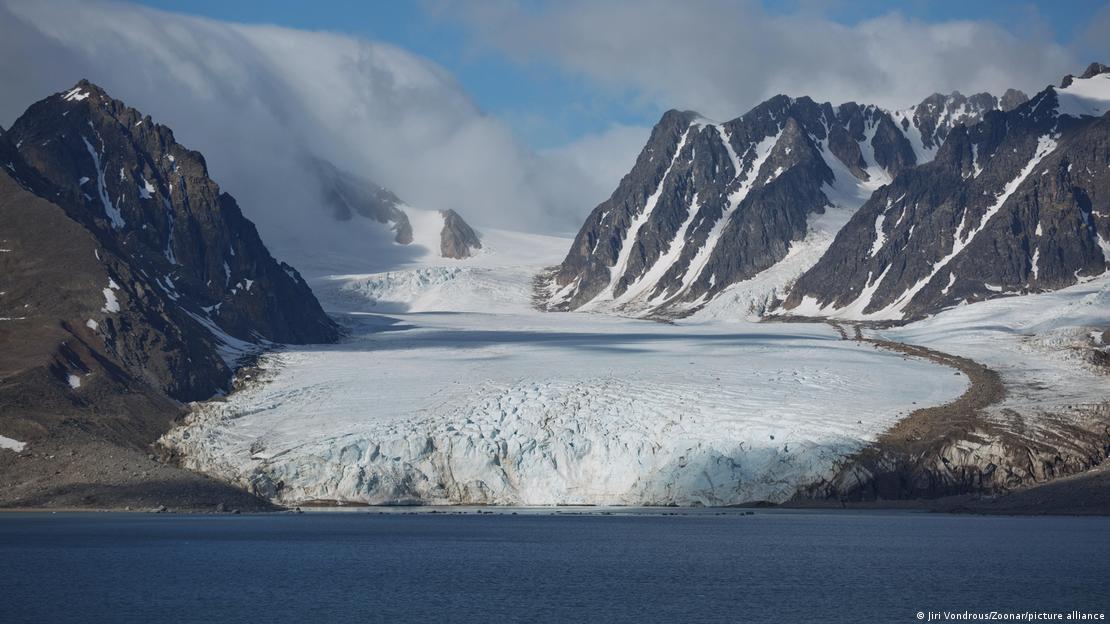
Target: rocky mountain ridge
{"x":151,"y":200}
{"x":708,"y":205}
{"x":1014,"y":204}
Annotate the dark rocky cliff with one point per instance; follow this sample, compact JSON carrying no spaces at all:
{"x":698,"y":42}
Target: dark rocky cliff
{"x":150,"y":201}
{"x":128,"y":282}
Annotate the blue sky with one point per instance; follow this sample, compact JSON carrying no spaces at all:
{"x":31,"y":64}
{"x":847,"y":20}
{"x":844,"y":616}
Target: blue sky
{"x":549,"y":105}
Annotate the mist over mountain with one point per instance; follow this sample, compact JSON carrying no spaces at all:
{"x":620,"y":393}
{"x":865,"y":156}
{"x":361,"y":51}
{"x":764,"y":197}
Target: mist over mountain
{"x":719,"y":57}
{"x":257,"y":98}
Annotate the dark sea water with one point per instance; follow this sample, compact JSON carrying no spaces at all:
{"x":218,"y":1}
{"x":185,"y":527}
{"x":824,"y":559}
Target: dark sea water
{"x":700,"y":567}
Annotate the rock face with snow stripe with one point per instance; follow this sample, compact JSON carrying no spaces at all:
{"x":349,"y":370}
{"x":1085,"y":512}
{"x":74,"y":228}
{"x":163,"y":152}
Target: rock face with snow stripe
{"x":151,"y":202}
{"x":70,"y":288}
{"x":930,"y":121}
{"x":1017,"y":203}
{"x":708,"y":205}
{"x":592,"y":258}
{"x":348,"y":196}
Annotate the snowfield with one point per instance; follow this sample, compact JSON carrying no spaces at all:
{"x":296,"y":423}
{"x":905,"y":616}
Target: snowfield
{"x":451,"y":389}
{"x":1088,"y":97}
{"x":1039,"y":344}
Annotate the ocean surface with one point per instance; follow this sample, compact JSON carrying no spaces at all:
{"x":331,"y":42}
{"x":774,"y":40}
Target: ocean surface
{"x":573,"y":566}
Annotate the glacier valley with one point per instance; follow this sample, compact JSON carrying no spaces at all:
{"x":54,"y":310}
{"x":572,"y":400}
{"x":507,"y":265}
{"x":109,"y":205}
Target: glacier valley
{"x":451,"y":389}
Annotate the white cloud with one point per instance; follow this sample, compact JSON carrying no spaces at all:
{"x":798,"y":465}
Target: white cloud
{"x":722,"y":57}
{"x":603,"y":159}
{"x":254,"y":98}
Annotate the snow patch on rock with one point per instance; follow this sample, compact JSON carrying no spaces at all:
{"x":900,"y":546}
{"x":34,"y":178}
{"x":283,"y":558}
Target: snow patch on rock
{"x":111,"y":303}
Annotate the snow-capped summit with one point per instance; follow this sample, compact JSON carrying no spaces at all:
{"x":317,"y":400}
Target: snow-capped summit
{"x":1085,"y":96}
{"x":1017,"y":203}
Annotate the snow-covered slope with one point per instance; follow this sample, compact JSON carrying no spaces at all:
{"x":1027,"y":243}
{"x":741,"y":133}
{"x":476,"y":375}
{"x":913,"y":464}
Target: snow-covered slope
{"x":477,"y":398}
{"x":754,"y":297}
{"x":498,"y":278}
{"x":1086,"y":96}
{"x":1041,"y":344}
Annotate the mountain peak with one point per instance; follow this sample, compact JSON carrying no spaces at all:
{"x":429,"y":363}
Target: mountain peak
{"x":675,"y":232}
{"x":937,"y":226}
{"x":117,"y":110}
{"x":457,"y":239}
{"x":1094,"y":69}
{"x":151,"y":201}
{"x":1012,"y":99}
{"x":682,"y":117}
{"x":82,"y":90}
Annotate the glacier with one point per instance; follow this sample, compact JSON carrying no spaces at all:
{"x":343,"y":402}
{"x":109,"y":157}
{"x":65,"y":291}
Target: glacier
{"x":451,"y":389}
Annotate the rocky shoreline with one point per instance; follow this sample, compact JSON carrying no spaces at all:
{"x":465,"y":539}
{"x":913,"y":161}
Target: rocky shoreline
{"x":69,"y":472}
{"x":962,"y":457}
